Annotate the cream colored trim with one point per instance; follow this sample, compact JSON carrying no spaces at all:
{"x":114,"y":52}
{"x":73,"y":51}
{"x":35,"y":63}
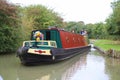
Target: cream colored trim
{"x":33,"y":51}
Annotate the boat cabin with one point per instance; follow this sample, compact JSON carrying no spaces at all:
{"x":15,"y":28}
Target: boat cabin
{"x":63,"y":38}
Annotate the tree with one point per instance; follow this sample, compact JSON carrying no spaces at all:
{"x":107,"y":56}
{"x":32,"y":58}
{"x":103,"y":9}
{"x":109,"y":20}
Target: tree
{"x":100,"y":30}
{"x":114,"y":19}
{"x":90,"y":30}
{"x":9,"y":26}
{"x":38,"y":17}
{"x":76,"y":26}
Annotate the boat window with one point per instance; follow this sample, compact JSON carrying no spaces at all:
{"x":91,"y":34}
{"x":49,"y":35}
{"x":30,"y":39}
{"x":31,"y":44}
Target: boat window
{"x":27,"y":44}
{"x":73,"y":39}
{"x":34,"y":43}
{"x":39,"y":43}
{"x":42,"y":43}
{"x":52,"y":44}
{"x":67,"y":39}
{"x":45,"y":47}
{"x":79,"y":40}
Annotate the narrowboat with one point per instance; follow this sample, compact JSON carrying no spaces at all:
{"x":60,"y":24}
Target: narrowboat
{"x":53,"y":45}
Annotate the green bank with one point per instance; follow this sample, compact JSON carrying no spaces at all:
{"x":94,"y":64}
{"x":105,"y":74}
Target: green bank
{"x":107,"y":44}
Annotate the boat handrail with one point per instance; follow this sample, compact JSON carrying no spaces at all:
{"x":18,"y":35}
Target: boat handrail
{"x":40,"y":43}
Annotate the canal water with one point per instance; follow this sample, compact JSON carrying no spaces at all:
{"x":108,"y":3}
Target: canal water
{"x":88,"y":66}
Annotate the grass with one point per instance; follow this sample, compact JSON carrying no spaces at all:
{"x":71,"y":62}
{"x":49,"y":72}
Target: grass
{"x":107,"y":44}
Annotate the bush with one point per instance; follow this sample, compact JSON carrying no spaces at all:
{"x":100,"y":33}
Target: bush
{"x":9,"y":40}
{"x":9,"y":27}
{"x":113,"y":37}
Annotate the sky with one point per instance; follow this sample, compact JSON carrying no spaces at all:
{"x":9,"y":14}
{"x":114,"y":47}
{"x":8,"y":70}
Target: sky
{"x":88,"y":11}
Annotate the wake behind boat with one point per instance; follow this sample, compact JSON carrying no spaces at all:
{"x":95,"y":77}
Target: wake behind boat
{"x":54,"y":45}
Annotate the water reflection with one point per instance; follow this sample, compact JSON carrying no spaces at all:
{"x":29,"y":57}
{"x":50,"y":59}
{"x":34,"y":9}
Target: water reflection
{"x":8,"y":65}
{"x":59,"y":71}
{"x":90,"y":66}
{"x":94,"y":70}
{"x":1,"y":77}
{"x":113,"y":68}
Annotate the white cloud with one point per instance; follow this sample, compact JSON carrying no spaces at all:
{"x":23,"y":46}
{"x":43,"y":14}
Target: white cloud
{"x":89,"y":11}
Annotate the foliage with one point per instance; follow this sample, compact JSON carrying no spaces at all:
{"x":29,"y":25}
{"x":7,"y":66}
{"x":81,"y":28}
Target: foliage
{"x":108,"y":30}
{"x":113,"y":21}
{"x":99,"y":30}
{"x":38,"y":17}
{"x":9,"y":26}
{"x":16,"y":23}
{"x":76,"y":26}
{"x":90,"y":30}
